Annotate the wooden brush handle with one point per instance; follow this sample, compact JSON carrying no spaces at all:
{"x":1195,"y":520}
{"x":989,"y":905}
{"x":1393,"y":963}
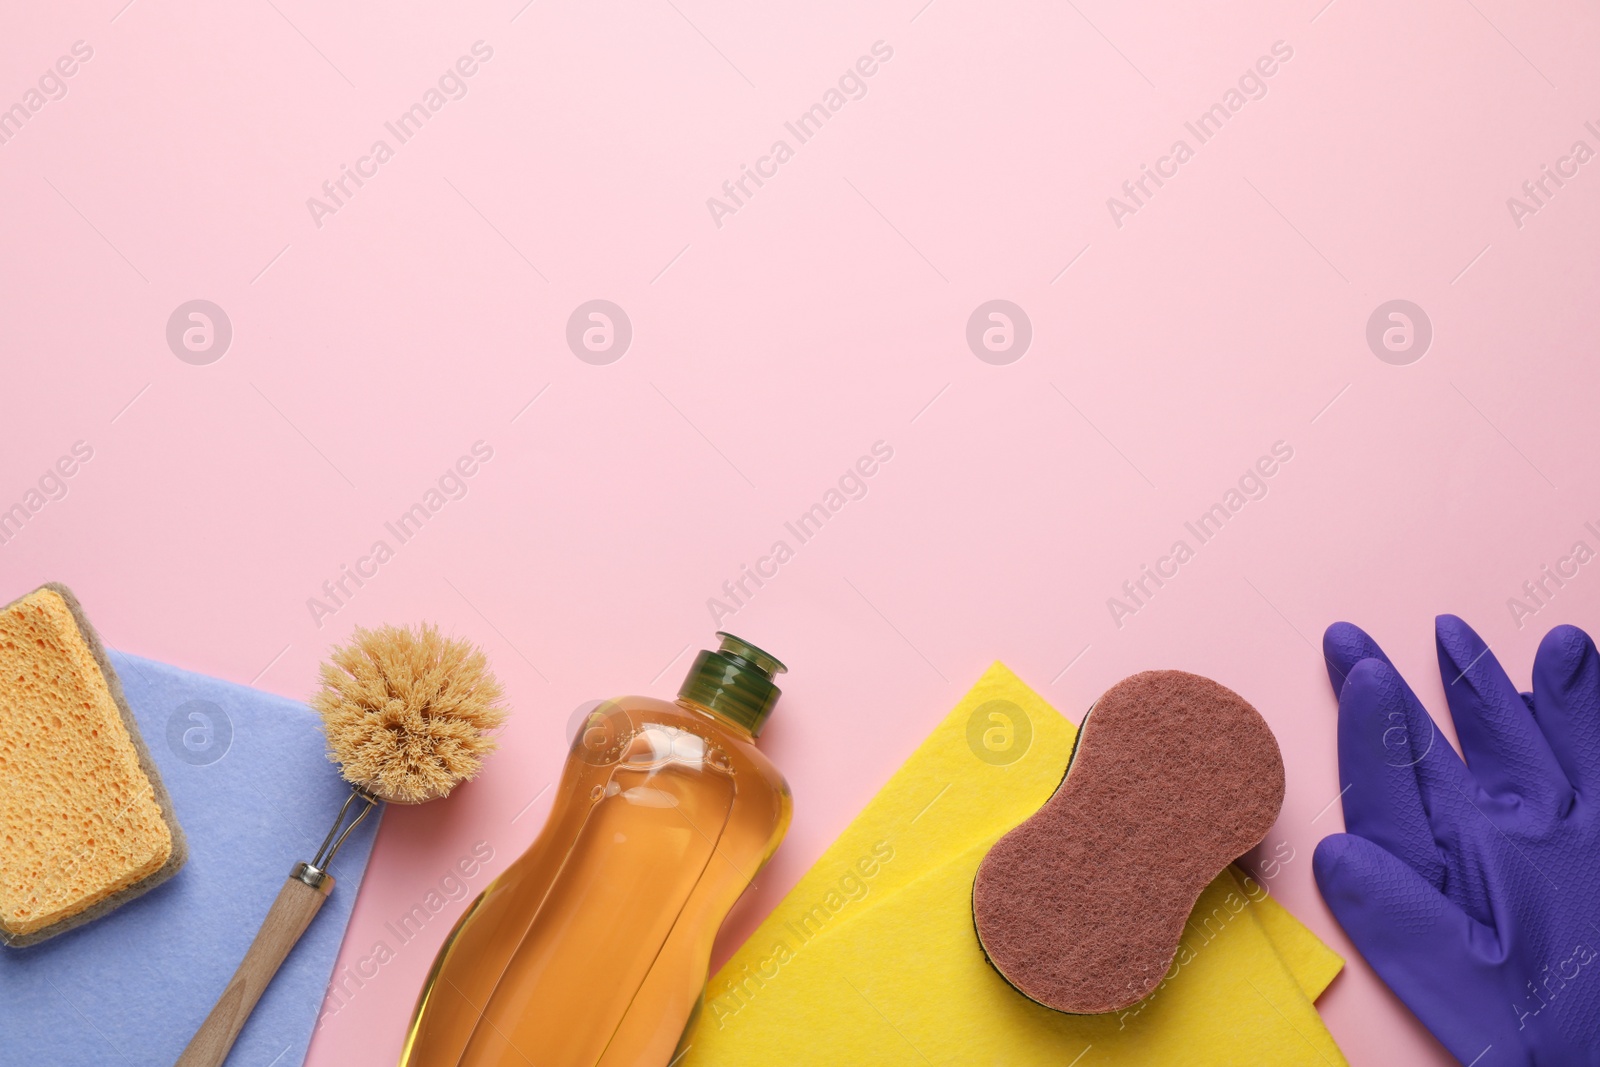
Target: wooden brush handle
{"x":297,"y":904}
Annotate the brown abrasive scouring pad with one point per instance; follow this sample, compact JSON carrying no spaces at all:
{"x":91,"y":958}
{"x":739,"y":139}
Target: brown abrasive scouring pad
{"x":1173,"y":777}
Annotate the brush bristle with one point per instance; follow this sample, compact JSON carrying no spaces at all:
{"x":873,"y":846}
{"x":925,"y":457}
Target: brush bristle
{"x":407,"y":712}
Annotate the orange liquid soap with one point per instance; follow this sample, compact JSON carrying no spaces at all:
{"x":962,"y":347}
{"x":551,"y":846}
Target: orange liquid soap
{"x":591,"y":949}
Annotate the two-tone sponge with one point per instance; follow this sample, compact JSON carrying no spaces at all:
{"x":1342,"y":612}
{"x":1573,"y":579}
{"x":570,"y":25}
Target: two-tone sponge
{"x":1173,"y":777}
{"x":85,"y":823}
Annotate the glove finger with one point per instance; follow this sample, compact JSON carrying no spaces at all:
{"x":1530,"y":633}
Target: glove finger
{"x":1566,"y":695}
{"x":1505,"y":749}
{"x":1379,"y":719}
{"x":1428,"y":951}
{"x":1344,"y":644}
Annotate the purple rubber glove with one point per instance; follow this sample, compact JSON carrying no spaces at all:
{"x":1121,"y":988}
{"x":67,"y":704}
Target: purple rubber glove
{"x":1474,"y":889}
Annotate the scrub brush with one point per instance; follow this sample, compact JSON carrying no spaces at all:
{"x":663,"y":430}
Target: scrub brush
{"x":406,"y":713}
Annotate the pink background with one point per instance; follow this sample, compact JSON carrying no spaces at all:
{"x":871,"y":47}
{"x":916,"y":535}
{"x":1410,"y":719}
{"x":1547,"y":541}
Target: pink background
{"x":828,"y":313}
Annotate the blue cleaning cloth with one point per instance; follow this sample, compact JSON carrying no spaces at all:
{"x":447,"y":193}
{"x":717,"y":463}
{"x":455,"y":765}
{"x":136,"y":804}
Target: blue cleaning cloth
{"x":1471,"y":886}
{"x":254,"y":792}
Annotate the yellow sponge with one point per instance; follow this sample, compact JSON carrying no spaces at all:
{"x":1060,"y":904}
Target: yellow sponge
{"x":85,"y":823}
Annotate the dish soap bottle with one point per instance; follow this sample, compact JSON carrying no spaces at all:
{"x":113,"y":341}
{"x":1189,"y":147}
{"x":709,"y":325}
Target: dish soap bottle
{"x":591,"y":949}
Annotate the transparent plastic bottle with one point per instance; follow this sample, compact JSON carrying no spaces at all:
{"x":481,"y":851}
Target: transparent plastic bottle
{"x":591,"y":949}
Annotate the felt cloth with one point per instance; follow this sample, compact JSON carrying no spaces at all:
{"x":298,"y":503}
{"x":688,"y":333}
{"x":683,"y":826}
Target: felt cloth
{"x":873,"y":959}
{"x":255,"y":793}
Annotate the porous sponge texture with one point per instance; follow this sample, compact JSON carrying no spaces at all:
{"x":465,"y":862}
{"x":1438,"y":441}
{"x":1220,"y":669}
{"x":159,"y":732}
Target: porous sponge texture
{"x":1082,"y":906}
{"x":85,"y":822}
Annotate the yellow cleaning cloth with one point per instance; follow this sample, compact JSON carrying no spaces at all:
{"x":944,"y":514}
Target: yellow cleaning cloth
{"x":905,"y":983}
{"x":872,"y":959}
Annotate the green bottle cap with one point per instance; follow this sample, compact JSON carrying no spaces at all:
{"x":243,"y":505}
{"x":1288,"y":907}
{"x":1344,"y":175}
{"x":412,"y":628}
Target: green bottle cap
{"x":734,"y":682}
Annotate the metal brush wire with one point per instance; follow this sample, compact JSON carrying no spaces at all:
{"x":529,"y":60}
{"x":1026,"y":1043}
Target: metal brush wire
{"x":315,"y":874}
